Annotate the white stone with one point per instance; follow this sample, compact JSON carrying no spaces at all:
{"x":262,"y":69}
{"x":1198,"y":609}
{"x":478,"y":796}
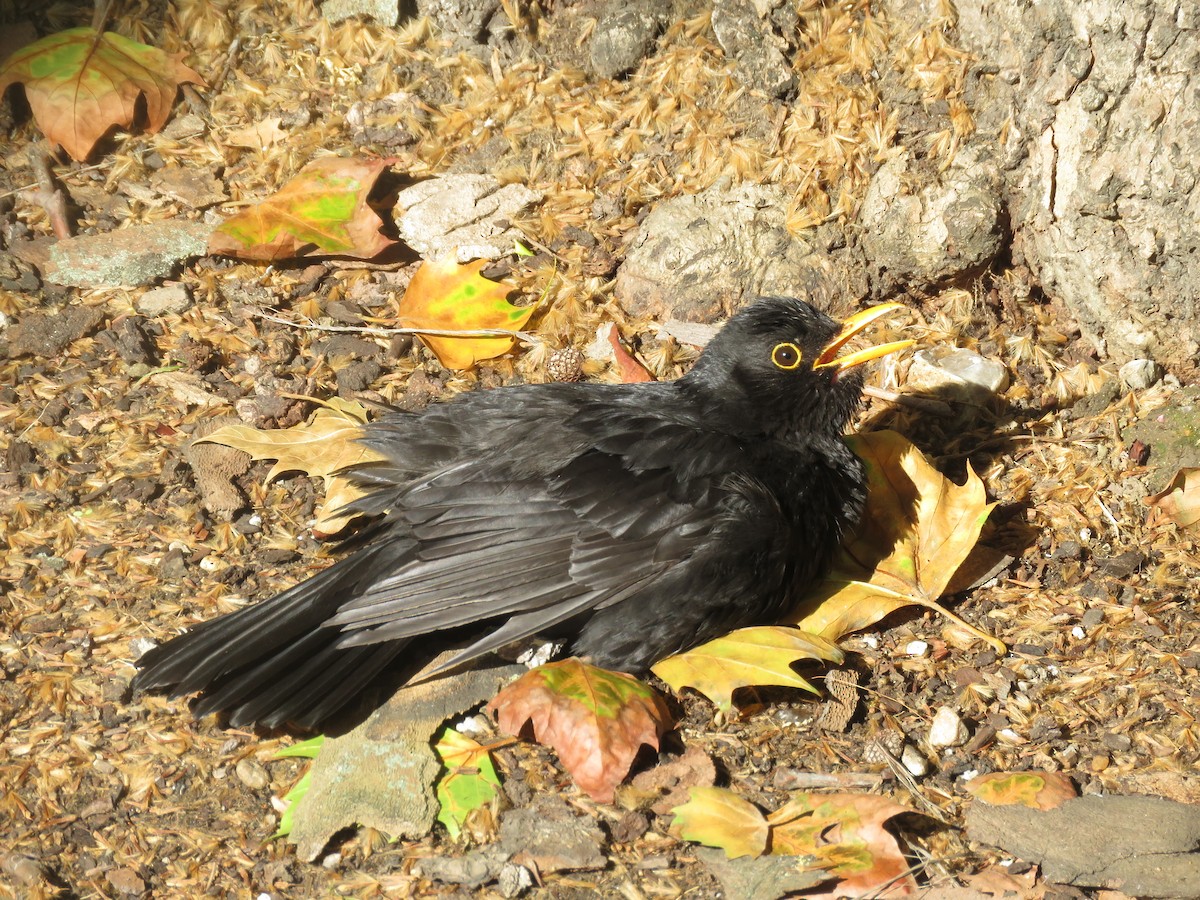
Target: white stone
{"x":1139,"y":374}
{"x":914,"y":761}
{"x":947,"y":729}
{"x":959,"y":371}
{"x":916,"y":648}
{"x":170,"y":298}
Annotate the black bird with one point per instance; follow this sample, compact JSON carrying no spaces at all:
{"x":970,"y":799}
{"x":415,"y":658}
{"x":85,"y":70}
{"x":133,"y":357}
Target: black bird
{"x":632,"y":521}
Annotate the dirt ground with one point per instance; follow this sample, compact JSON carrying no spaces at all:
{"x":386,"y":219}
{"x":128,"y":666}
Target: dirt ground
{"x":105,"y":546}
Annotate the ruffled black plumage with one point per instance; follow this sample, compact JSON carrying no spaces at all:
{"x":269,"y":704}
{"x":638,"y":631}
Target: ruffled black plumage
{"x":635,"y":521}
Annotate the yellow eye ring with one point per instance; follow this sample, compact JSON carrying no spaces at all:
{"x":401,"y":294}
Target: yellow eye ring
{"x":786,"y":356}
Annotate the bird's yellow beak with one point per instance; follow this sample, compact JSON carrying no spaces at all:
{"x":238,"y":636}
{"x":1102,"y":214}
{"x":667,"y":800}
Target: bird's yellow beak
{"x":851,"y":327}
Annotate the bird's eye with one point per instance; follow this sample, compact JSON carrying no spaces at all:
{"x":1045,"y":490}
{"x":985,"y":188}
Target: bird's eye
{"x":786,"y":356}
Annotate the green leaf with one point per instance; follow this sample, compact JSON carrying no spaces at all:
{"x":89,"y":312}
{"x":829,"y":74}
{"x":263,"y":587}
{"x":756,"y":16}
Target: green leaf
{"x":469,"y":782}
{"x":307,"y":750}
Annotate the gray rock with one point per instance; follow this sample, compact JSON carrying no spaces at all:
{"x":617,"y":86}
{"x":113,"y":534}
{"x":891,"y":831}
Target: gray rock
{"x":1095,"y":105}
{"x":624,"y":36}
{"x":698,"y":258}
{"x":764,"y":877}
{"x":1139,"y":374}
{"x":1142,"y":846}
{"x":160,"y":301}
{"x":467,"y":214}
{"x":947,"y":228}
{"x":747,"y":37}
{"x":131,"y":256}
{"x":552,"y":837}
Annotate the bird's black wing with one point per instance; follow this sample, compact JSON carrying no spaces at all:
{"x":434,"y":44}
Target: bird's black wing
{"x":507,"y":534}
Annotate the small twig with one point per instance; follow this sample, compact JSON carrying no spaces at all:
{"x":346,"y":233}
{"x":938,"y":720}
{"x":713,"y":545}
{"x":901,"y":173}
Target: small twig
{"x":51,"y":197}
{"x":796,"y":780}
{"x":523,"y":336}
{"x":230,"y":57}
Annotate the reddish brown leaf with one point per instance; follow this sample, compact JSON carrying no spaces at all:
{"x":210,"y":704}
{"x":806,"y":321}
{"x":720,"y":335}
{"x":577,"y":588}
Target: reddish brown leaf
{"x":845,"y":833}
{"x":322,"y":211}
{"x":81,"y":83}
{"x":594,"y":719}
{"x":631,"y":370}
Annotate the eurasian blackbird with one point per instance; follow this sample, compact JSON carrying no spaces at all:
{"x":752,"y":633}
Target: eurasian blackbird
{"x":633,"y":521}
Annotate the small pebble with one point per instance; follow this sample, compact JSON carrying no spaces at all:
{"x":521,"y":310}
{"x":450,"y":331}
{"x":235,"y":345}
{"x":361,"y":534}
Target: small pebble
{"x":1139,"y":374}
{"x":947,"y":729}
{"x":251,"y":773}
{"x":913,"y":760}
{"x":514,"y":880}
{"x":332,"y":861}
{"x":916,"y":648}
{"x":871,"y":641}
{"x":1078,"y":633}
{"x":1009,"y":736}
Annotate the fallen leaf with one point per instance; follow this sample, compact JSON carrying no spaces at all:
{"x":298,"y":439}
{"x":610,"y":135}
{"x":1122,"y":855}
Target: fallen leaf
{"x":307,"y":750}
{"x":322,"y":447}
{"x":1180,"y":500}
{"x":594,"y":719}
{"x":717,"y":817}
{"x":1037,"y":790}
{"x":844,"y":833}
{"x":80,"y":83}
{"x":916,"y":531}
{"x":469,"y":782}
{"x":323,"y":210}
{"x":446,"y":296}
{"x":258,"y":135}
{"x":668,"y":784}
{"x":747,"y":657}
{"x":632,"y":371}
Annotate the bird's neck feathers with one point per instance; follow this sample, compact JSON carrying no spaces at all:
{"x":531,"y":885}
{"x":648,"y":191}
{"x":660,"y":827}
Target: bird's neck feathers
{"x":811,"y":410}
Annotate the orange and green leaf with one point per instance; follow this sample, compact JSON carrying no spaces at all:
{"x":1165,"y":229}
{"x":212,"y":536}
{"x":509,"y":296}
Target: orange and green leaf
{"x":594,"y":719}
{"x":1037,"y":790}
{"x":446,"y":296}
{"x":80,"y":83}
{"x":469,"y":782}
{"x":844,"y":834}
{"x":918,"y":528}
{"x":717,"y":817}
{"x":322,"y":211}
{"x":748,"y":657}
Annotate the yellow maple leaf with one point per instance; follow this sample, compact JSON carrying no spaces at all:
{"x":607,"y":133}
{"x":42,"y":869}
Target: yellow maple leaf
{"x":918,"y":528}
{"x":745,"y":658}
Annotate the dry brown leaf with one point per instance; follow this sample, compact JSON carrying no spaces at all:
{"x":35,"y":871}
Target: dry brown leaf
{"x":1180,"y":500}
{"x":845,"y":834}
{"x":80,"y":83}
{"x":322,"y":447}
{"x":917,"y":529}
{"x":1037,"y":790}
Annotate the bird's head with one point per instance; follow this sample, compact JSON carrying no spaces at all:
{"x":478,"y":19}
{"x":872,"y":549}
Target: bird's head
{"x":774,"y":369}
